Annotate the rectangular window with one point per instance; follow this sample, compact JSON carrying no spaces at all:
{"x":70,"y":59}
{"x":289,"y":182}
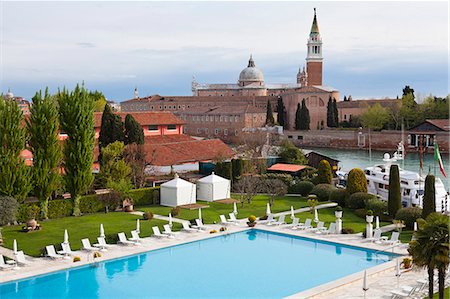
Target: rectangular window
{"x":198,"y":131}
{"x":225,"y":131}
{"x":216,"y":131}
{"x":153,"y":128}
{"x":206,"y":130}
{"x":171,"y":127}
{"x":300,"y":137}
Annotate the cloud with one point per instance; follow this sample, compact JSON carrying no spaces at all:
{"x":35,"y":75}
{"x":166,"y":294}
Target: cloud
{"x":86,"y":45}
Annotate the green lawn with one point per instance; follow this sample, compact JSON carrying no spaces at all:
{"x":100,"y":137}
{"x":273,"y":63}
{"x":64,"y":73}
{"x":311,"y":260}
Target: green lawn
{"x":446,"y":294}
{"x":88,"y":226}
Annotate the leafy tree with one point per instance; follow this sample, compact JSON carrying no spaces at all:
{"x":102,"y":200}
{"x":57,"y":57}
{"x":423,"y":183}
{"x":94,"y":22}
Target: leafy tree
{"x":111,"y":129}
{"x":298,"y":117}
{"x":304,"y":117}
{"x":335,"y":114}
{"x":409,"y":111}
{"x":43,"y":128}
{"x":114,"y":168}
{"x":274,"y":187}
{"x":134,"y":156}
{"x":14,"y":174}
{"x":429,"y":196}
{"x":224,"y":169}
{"x":77,"y":120}
{"x":356,"y":182}
{"x":408,"y":90}
{"x":430,"y":249}
{"x":8,"y":210}
{"x":394,"y":195}
{"x":291,"y":154}
{"x":270,"y":121}
{"x":99,"y":100}
{"x":133,"y":131}
{"x":324,"y":175}
{"x":281,"y":112}
{"x":375,"y":117}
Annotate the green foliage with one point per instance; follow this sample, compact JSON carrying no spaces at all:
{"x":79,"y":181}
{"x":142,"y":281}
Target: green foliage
{"x":77,"y":120}
{"x":304,"y":118}
{"x":375,"y":117}
{"x":332,"y":116}
{"x":429,"y":197}
{"x":145,"y":196}
{"x":358,"y":200}
{"x":409,"y":215}
{"x":379,"y":207}
{"x":147,"y":215}
{"x":338,"y":209}
{"x":356,"y":182}
{"x":43,"y":128}
{"x":324,"y":175}
{"x":224,"y":169}
{"x":291,"y":154}
{"x":270,"y":121}
{"x":8,"y":210}
{"x":14,"y":179}
{"x":251,"y":218}
{"x":322,"y":191}
{"x":285,"y":178}
{"x":111,"y":129}
{"x":302,"y":187}
{"x":408,"y":111}
{"x":26,"y":212}
{"x":61,"y":208}
{"x":134,"y":156}
{"x":338,"y":196}
{"x":298,"y":117}
{"x":369,"y":213}
{"x":91,"y":204}
{"x":133,"y":131}
{"x":114,"y":168}
{"x":394,"y":196}
{"x":175,"y":211}
{"x":99,"y":100}
{"x":281,"y":112}
{"x":335,"y":113}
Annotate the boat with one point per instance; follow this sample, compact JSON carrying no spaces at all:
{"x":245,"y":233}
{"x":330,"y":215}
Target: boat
{"x":412,"y":184}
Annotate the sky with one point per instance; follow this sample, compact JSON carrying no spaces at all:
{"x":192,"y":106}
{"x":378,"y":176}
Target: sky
{"x":370,"y":49}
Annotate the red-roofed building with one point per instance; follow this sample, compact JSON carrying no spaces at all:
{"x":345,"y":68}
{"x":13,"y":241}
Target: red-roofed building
{"x":287,"y":168}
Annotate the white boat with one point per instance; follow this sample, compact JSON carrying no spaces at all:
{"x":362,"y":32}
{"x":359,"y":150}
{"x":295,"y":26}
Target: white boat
{"x":412,"y":185}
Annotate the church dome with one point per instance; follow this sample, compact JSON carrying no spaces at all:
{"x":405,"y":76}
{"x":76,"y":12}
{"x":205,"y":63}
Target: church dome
{"x":251,"y":73}
{"x":9,"y":94}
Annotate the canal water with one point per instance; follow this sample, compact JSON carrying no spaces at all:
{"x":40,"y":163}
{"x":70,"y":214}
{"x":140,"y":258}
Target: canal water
{"x":360,"y":158}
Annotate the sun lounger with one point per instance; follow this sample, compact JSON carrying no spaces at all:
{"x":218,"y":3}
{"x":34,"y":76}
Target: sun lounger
{"x":87,"y":245}
{"x":20,"y":258}
{"x":135,"y":237}
{"x":306,"y":225}
{"x":319,"y":227}
{"x":157,"y":233}
{"x":331,"y":229}
{"x":376,"y":237}
{"x":168,"y":231}
{"x":233,"y":218}
{"x":268,"y":221}
{"x":123,"y":240}
{"x":101,"y":243}
{"x":224,"y":220}
{"x":280,"y":221}
{"x":66,"y":250}
{"x":187,"y":228}
{"x":51,"y":252}
{"x":393,"y":240}
{"x":404,"y":292}
{"x":199,"y":225}
{"x":295,"y":222}
{"x":3,"y":265}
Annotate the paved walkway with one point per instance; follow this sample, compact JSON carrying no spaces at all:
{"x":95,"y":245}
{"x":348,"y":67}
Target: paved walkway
{"x":307,"y":209}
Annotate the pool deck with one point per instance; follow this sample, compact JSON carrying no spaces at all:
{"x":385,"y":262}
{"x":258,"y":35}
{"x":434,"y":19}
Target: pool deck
{"x":381,"y":278}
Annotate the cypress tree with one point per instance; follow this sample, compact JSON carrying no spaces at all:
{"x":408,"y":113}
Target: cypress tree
{"x":43,"y":127}
{"x":14,"y":174}
{"x":298,"y":117}
{"x":335,"y":114}
{"x":324,"y":175}
{"x":133,"y":131}
{"x":111,"y":129}
{"x":394,"y":195}
{"x":77,"y":120}
{"x":270,"y":121}
{"x":429,"y":197}
{"x":280,"y":112}
{"x":345,"y":98}
{"x":329,"y":113}
{"x":305,"y":116}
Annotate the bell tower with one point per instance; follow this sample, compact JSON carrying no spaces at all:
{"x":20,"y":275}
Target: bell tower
{"x":314,"y":58}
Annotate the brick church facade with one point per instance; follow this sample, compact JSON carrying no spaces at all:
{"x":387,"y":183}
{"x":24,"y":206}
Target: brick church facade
{"x":225,"y":110}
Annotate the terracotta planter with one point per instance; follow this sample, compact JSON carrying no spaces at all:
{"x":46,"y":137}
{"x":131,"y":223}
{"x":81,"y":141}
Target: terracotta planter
{"x":251,"y":224}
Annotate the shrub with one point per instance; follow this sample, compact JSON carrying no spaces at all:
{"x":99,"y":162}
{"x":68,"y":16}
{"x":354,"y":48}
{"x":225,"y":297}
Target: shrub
{"x":429,"y":197}
{"x":148,"y":215}
{"x":395,"y":196}
{"x":92,"y":204}
{"x":251,"y":218}
{"x":322,"y":191}
{"x":212,"y":231}
{"x":369,"y":213}
{"x":145,"y":196}
{"x":338,"y":209}
{"x":356,"y":182}
{"x":111,"y":238}
{"x":303,"y":188}
{"x":26,"y":212}
{"x":61,"y":208}
{"x":347,"y":230}
{"x":286,"y":178}
{"x":324,"y":175}
{"x":76,"y":259}
{"x":223,"y":228}
{"x":8,"y":209}
{"x":175,"y":211}
{"x":409,"y":216}
{"x":378,"y":206}
{"x":97,"y":254}
{"x":358,"y":200}
{"x":338,"y":196}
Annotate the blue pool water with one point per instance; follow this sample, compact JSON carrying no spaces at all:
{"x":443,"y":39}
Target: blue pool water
{"x":254,"y":263}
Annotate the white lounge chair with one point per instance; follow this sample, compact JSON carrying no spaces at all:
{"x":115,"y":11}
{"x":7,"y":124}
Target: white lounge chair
{"x":294,"y":223}
{"x":135,"y":237}
{"x":268,"y":221}
{"x":187,"y":228}
{"x":393,"y":240}
{"x":320,"y":226}
{"x":280,"y":221}
{"x":331,"y":229}
{"x":404,"y":292}
{"x":376,"y":236}
{"x":157,"y":233}
{"x":123,"y":240}
{"x":101,"y":244}
{"x":3,"y":265}
{"x":20,"y":258}
{"x":66,"y":250}
{"x":168,"y":231}
{"x":87,"y":245}
{"x":224,"y":220}
{"x":199,"y":225}
{"x":51,"y":252}
{"x":305,"y":225}
{"x":233,"y":218}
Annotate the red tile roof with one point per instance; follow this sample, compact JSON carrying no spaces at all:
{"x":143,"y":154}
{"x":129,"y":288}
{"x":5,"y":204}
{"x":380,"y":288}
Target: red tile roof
{"x":145,"y":118}
{"x":287,"y":167}
{"x":442,"y":124}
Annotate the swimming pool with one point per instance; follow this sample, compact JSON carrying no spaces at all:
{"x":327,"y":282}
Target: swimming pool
{"x":253,"y":263}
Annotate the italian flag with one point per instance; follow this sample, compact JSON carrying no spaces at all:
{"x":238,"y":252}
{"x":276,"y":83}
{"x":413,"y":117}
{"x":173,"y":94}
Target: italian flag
{"x":437,"y":157}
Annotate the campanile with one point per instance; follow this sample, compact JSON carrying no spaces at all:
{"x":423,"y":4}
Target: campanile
{"x":314,"y":58}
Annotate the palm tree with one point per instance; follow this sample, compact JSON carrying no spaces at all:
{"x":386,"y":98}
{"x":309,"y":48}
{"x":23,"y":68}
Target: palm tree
{"x":430,"y":249}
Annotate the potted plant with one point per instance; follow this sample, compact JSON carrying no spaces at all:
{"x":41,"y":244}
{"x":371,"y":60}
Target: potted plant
{"x":338,"y":212}
{"x":369,"y":216}
{"x":407,"y":262}
{"x":251,"y":220}
{"x":312,"y":202}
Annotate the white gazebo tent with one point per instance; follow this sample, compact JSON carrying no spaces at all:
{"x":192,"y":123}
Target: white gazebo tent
{"x":213,"y":187}
{"x":177,"y":192}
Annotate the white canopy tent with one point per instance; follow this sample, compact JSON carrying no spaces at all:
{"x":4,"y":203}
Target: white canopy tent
{"x":177,"y":192}
{"x":213,"y":187}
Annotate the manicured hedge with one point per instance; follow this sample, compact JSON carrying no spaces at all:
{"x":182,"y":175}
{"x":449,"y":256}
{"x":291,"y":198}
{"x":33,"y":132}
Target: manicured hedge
{"x":358,"y":200}
{"x":61,"y":208}
{"x":378,"y":206}
{"x":303,"y":188}
{"x":322,"y":191}
{"x":145,"y":196}
{"x":409,"y":215}
{"x":338,"y":196}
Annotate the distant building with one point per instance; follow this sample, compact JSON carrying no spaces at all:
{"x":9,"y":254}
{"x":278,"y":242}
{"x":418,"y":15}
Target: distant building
{"x":429,"y":132}
{"x":23,"y":104}
{"x":114,"y":105}
{"x":355,"y":108}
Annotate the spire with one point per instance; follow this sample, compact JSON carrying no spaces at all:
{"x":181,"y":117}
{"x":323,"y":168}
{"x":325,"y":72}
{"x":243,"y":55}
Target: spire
{"x":136,"y":93}
{"x":251,"y":63}
{"x":315,"y":25}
